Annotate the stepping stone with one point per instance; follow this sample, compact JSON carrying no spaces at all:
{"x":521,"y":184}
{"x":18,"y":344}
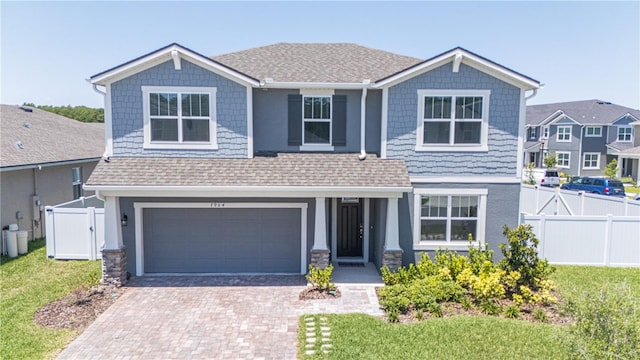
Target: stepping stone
{"x":310,"y":346}
{"x":311,"y":334}
{"x":310,"y":352}
{"x":324,"y":328}
{"x":326,"y":340}
{"x":326,"y":346}
{"x":326,"y":334}
{"x":311,"y":340}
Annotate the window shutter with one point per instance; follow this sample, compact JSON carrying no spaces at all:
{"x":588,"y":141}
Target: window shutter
{"x":295,"y":120}
{"x":339,"y":120}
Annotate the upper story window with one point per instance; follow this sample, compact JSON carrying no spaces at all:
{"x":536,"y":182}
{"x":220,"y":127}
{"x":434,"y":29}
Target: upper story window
{"x":625,"y":133}
{"x":76,"y":182}
{"x":593,"y":131}
{"x":564,"y":133}
{"x":448,"y":217}
{"x":317,"y":120}
{"x":176,"y":117}
{"x":453,"y":120}
{"x":533,"y":133}
{"x":545,"y":132}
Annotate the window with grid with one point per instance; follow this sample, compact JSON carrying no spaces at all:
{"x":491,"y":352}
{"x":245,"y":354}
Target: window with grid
{"x":179,"y":116}
{"x":448,"y":217}
{"x":591,"y":161}
{"x":564,"y":133}
{"x":593,"y":131}
{"x":563,"y":159}
{"x":76,"y":183}
{"x":625,"y":133}
{"x":316,"y":119}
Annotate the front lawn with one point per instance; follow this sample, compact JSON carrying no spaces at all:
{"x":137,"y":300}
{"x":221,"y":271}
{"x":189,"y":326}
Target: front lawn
{"x":357,"y":336}
{"x":28,"y":283}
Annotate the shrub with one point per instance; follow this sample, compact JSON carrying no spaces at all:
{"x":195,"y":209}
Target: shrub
{"x":455,"y":263}
{"x":320,"y":279}
{"x":540,"y":315}
{"x":435,"y":309}
{"x":607,"y":325}
{"x":521,"y":255}
{"x":440,"y":289}
{"x":486,"y":285}
{"x":394,"y":298}
{"x":512,"y":311}
{"x":489,"y":307}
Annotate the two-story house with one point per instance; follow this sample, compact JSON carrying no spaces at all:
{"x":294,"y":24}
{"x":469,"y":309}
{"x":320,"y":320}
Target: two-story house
{"x":270,"y":159}
{"x":584,"y":136}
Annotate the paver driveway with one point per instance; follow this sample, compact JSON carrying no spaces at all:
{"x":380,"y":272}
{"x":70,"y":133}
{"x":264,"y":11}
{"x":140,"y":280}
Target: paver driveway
{"x":247,"y":317}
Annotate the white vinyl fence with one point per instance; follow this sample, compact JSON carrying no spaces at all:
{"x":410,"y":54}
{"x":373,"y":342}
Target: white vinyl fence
{"x":75,"y":230}
{"x":582,"y":229}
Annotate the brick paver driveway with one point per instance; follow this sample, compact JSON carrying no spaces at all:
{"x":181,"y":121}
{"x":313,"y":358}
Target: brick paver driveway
{"x":248,"y":317}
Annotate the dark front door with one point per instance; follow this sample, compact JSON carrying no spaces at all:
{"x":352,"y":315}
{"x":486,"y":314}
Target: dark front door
{"x":350,"y":228}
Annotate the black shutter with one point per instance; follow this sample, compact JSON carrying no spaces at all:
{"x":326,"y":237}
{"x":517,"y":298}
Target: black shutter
{"x":339,"y":119}
{"x":295,"y":120}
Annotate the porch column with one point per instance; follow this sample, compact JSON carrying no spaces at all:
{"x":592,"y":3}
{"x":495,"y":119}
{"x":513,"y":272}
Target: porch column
{"x":114,"y":257}
{"x":392,"y":255}
{"x":320,"y":251}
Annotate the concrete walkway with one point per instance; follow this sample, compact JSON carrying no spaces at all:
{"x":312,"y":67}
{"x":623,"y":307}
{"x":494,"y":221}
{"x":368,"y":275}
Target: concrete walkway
{"x":221,"y":317}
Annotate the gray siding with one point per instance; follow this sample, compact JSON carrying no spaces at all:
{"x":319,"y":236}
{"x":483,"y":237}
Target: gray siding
{"x":270,"y":120}
{"x":128,"y":232}
{"x":504,"y":108}
{"x":53,"y":184}
{"x":127,"y":113}
{"x":502,"y":209}
{"x":573,"y":147}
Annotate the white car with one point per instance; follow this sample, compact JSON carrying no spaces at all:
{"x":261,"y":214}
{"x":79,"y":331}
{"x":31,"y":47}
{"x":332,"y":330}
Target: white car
{"x":544,"y":177}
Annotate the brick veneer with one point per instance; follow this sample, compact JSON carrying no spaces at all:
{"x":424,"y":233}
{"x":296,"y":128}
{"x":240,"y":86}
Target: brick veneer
{"x":114,"y":266}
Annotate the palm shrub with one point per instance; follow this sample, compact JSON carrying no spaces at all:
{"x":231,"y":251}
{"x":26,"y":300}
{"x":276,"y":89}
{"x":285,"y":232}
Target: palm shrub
{"x":320,"y":279}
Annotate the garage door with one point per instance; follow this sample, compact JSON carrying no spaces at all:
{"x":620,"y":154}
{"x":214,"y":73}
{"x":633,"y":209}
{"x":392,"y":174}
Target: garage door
{"x":221,"y":240}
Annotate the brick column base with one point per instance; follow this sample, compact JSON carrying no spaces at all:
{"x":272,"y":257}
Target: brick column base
{"x":114,"y":267}
{"x":392,"y":259}
{"x":320,"y":258}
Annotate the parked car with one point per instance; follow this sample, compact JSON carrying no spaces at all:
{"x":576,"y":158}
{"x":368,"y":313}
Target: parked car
{"x":594,"y":185}
{"x":544,"y":177}
{"x":637,"y":197}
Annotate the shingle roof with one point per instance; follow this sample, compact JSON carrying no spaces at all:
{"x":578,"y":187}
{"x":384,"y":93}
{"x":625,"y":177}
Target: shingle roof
{"x":586,"y":112}
{"x":46,"y":137}
{"x":632,"y":151}
{"x":283,"y":169}
{"x":314,"y":62}
{"x":621,"y":145}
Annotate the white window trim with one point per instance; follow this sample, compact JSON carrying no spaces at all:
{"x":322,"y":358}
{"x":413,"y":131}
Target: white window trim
{"x":212,"y":144}
{"x":599,"y":128}
{"x":568,"y":159}
{"x":545,"y":132}
{"x":624,"y":127}
{"x":533,"y":133}
{"x":484,"y":128}
{"x":558,"y":133}
{"x":584,"y":159}
{"x":318,"y":93}
{"x":418,"y":244}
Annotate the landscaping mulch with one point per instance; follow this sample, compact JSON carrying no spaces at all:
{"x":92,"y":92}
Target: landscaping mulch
{"x":79,"y":309}
{"x":316,"y":294}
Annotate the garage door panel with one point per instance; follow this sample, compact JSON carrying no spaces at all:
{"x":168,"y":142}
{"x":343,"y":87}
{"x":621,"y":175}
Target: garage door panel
{"x":265,"y":240}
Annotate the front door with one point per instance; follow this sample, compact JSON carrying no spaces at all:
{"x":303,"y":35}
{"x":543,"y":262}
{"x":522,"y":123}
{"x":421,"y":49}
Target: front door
{"x":350,"y":228}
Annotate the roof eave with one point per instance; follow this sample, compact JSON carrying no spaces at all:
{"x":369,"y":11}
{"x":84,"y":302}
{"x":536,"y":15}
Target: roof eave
{"x":466,"y":57}
{"x":164,"y":54}
{"x":313,"y":85}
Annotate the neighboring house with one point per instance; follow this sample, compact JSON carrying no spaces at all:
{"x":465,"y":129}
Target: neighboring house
{"x":630,"y":157}
{"x":270,"y":159}
{"x":584,"y":135}
{"x":45,"y":160}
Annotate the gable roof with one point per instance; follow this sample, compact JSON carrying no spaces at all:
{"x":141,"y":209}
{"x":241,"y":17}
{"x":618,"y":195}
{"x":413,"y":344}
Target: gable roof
{"x":46,"y":137}
{"x":457,"y":56}
{"x":297,"y":170}
{"x":585,"y":112}
{"x":316,"y":62}
{"x":173,"y":52}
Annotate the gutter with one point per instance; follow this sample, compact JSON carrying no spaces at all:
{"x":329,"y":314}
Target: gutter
{"x":49,"y":164}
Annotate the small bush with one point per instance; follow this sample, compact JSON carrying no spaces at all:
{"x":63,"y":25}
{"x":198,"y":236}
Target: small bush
{"x":489,"y":307}
{"x":466,"y":303}
{"x":320,"y":279}
{"x":540,"y":315}
{"x":512,"y":311}
{"x":395,"y":298}
{"x":521,"y":255}
{"x":607,"y":325}
{"x":435,"y":309}
{"x":452,"y":261}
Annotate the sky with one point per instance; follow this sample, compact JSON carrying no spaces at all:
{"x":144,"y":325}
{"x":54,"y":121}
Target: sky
{"x":578,"y":50}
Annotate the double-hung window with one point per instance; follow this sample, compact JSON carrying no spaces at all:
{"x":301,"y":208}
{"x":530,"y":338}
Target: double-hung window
{"x":625,"y":133}
{"x":533,"y":133}
{"x":563,"y":159}
{"x":176,"y":117}
{"x":76,"y":182}
{"x":448,"y":218}
{"x":591,"y":161}
{"x":545,"y":132}
{"x":564,"y":133}
{"x":453,"y":120}
{"x":316,"y":117}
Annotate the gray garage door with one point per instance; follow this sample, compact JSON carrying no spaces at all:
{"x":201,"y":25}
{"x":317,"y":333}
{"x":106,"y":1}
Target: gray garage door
{"x":221,"y":240}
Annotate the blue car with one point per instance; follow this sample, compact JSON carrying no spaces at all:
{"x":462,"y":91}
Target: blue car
{"x":595,"y":185}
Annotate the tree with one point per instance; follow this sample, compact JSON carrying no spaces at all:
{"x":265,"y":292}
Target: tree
{"x":551,"y":160}
{"x":612,"y":169}
{"x":80,"y":113}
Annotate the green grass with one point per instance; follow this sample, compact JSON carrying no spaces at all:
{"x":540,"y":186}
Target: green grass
{"x":358,"y":336}
{"x":26,"y":284}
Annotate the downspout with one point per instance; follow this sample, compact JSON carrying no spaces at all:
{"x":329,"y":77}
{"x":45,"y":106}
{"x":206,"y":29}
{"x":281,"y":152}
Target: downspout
{"x":363,"y":118}
{"x":579,"y":152}
{"x":106,"y":154}
{"x":534,"y":93}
